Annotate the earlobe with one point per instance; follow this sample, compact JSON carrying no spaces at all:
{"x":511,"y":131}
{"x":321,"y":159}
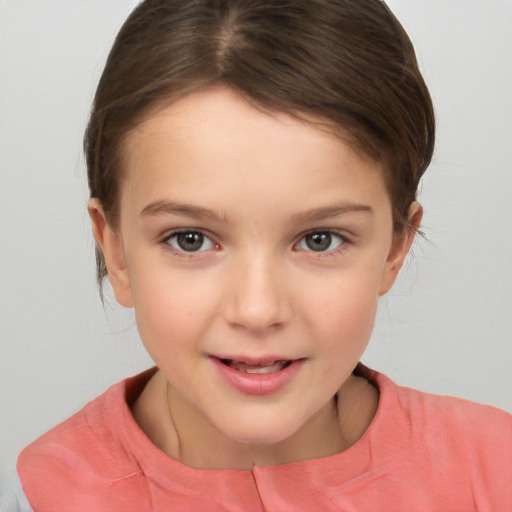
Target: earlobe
{"x":400,"y":247}
{"x":111,"y":245}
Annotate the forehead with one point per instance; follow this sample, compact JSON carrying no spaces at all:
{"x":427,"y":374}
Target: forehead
{"x":214,"y":140}
{"x":209,"y":113}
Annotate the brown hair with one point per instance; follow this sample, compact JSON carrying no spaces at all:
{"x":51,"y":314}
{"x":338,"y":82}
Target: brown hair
{"x":348,"y":62}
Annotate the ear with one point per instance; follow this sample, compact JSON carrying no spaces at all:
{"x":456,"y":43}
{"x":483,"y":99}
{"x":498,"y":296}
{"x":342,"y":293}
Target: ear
{"x":111,"y":245}
{"x":400,"y":247}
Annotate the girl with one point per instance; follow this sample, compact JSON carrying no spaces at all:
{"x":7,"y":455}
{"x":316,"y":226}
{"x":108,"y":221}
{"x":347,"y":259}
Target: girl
{"x":253,"y":168}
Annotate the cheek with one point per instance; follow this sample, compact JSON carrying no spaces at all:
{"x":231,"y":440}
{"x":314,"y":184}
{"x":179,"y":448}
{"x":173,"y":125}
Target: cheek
{"x":170,"y":310}
{"x":351,"y":314}
{"x":344,"y":308}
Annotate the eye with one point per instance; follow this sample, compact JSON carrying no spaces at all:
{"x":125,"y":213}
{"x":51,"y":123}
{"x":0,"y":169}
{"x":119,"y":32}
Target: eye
{"x":189,"y":241}
{"x":321,"y":241}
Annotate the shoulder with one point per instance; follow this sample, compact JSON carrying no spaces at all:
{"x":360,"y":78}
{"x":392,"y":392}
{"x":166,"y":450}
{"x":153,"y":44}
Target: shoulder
{"x":467,"y":421}
{"x":86,"y":450}
{"x":447,"y":415}
{"x":84,"y":436}
{"x":463,"y":447}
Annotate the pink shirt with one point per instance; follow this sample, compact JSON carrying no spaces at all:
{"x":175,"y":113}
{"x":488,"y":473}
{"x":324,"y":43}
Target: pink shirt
{"x":422,"y":452}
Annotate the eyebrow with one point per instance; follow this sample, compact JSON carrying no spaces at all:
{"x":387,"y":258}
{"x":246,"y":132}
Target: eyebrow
{"x":163,"y":207}
{"x":317,"y":214}
{"x":187,"y":210}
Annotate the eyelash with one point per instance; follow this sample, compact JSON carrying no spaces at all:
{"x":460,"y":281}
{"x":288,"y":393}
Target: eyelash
{"x":341,"y":247}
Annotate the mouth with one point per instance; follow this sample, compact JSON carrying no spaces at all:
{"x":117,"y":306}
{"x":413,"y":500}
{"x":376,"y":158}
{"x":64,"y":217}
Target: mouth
{"x":257,"y":376}
{"x":262,"y":367}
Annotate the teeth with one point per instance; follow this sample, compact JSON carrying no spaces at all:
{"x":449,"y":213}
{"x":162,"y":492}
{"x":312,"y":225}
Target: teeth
{"x":271,"y":367}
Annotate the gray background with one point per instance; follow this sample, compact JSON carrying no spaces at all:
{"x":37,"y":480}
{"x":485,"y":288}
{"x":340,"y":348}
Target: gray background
{"x":447,"y":325}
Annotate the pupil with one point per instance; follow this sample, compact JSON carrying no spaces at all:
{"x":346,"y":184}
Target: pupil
{"x":190,"y":241}
{"x":318,"y":241}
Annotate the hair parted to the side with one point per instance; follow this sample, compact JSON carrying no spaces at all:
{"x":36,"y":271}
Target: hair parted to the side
{"x":346,"y":62}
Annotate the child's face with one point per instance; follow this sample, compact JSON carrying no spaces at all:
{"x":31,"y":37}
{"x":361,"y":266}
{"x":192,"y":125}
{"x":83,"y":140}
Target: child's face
{"x":254,"y":249}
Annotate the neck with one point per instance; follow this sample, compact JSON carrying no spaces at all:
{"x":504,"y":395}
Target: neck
{"x":200,"y":445}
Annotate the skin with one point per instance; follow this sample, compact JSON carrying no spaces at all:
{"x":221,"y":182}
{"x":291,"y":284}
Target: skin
{"x":255,"y":184}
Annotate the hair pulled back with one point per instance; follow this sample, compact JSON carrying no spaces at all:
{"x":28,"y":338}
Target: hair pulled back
{"x":347,"y":62}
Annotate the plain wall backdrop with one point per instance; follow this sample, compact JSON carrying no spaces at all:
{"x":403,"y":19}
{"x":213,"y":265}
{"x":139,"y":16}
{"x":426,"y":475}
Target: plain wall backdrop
{"x":446,"y":327}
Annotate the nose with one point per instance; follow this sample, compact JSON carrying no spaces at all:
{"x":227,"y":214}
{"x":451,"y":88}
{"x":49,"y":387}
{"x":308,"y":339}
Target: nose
{"x":259,"y":297}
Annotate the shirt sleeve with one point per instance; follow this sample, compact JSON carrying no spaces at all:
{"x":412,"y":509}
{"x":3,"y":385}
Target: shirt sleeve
{"x":12,"y":497}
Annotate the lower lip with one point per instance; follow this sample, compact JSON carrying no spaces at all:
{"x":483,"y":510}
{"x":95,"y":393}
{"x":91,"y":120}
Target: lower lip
{"x":257,"y":383}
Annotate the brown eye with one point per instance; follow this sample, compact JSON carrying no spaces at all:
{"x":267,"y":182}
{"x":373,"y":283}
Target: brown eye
{"x":321,"y":241}
{"x":190,"y":241}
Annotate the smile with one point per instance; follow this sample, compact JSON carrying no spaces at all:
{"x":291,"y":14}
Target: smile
{"x":269,"y":367}
{"x":257,"y":377}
